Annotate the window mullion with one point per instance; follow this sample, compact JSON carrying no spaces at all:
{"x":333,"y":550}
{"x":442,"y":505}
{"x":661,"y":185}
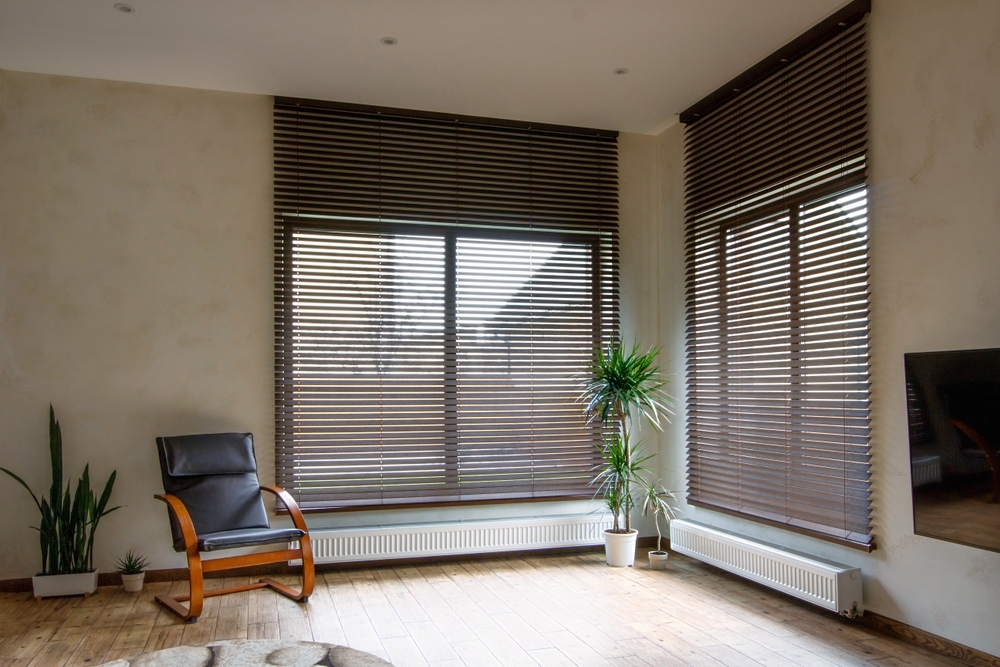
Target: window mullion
{"x":450,"y":363}
{"x":796,"y":390}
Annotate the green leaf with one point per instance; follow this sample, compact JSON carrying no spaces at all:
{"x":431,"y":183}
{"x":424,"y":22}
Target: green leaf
{"x":106,"y":495}
{"x":25,"y":485}
{"x":133,"y":563}
{"x":55,"y":452}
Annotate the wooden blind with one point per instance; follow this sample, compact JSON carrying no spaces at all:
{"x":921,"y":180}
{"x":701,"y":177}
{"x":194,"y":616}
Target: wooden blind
{"x":777,"y":296}
{"x":439,"y":284}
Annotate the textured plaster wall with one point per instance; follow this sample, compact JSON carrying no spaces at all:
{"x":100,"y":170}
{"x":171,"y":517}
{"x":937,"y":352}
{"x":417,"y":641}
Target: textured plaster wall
{"x":135,"y":288}
{"x":136,"y":296}
{"x":934,"y":207}
{"x":640,"y":250}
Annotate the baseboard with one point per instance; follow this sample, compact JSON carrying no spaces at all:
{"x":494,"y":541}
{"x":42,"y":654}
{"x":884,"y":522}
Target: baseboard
{"x":19,"y":585}
{"x":929,"y":641}
{"x":179,"y":574}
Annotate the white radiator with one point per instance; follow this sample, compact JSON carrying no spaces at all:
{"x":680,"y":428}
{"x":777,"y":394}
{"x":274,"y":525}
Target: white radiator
{"x":340,"y":545}
{"x":829,"y":585}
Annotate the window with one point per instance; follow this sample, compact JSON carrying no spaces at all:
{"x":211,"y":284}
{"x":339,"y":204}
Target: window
{"x":440,"y":285}
{"x":777,"y":280}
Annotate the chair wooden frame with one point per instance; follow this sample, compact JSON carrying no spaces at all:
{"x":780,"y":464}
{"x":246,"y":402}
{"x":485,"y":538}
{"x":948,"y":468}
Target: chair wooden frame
{"x":197,"y":568}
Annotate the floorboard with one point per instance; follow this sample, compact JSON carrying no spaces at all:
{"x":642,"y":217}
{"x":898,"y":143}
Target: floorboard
{"x":549,"y":611}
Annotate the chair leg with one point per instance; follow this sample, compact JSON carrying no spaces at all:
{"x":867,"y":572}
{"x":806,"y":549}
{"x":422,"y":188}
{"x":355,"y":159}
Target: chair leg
{"x":308,"y":575}
{"x":197,"y":596}
{"x":195,"y":599}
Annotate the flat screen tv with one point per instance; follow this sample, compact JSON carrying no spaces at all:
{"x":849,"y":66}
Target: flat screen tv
{"x":953,"y":406}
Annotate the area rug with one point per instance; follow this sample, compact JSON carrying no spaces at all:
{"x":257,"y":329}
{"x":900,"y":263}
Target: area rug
{"x":255,"y":653}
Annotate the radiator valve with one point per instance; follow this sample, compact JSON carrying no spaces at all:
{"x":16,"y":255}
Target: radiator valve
{"x":851,"y":613}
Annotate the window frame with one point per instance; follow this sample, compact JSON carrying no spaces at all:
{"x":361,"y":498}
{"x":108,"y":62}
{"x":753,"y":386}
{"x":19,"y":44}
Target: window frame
{"x":793,"y":208}
{"x":788,"y":133}
{"x":358,"y":167}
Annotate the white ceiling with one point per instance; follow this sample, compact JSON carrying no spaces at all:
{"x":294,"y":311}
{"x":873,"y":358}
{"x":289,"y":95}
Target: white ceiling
{"x":547,"y":61}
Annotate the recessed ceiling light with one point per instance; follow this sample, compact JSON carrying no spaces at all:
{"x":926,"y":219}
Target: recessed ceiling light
{"x":621,"y":70}
{"x":389,"y":41}
{"x":124,"y":9}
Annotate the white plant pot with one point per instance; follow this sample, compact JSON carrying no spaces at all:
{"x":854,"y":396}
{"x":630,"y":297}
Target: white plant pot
{"x":132,"y":583}
{"x":658,"y":560}
{"x":56,"y":585}
{"x":619,"y":548}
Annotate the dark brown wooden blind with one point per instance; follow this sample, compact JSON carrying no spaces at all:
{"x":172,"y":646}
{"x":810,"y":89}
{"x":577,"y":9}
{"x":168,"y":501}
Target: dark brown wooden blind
{"x":440,"y":282}
{"x":777,"y":296}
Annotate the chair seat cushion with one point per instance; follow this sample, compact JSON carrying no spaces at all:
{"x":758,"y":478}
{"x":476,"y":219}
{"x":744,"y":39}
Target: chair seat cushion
{"x":247,"y":537}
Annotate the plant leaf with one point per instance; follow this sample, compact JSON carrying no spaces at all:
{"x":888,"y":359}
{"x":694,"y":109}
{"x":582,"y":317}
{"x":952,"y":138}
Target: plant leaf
{"x":55,"y":453}
{"x":25,"y":485}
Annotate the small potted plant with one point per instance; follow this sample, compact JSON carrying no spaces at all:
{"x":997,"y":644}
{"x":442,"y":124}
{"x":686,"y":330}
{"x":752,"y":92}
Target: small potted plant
{"x":67,"y":526}
{"x":656,"y":499}
{"x":622,"y":385}
{"x":133,"y":570}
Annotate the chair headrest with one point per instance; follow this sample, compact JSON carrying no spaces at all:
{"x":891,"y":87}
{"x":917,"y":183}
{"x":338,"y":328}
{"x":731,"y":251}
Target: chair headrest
{"x":207,"y":454}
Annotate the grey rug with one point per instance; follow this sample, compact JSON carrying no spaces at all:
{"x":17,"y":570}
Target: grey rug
{"x":255,"y":653}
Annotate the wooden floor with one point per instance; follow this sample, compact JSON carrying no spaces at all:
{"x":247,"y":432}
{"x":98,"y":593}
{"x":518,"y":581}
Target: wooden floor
{"x":552,"y":611}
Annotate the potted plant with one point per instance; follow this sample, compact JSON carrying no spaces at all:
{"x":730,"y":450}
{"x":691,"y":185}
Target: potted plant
{"x":67,"y":526}
{"x":133,"y":570}
{"x":622,"y":385}
{"x":656,"y":499}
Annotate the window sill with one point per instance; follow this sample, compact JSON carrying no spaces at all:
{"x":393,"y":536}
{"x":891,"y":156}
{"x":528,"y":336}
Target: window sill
{"x":280,"y":509}
{"x":860,"y":546}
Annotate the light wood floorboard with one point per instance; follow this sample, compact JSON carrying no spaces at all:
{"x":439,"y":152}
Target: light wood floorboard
{"x":549,"y":611}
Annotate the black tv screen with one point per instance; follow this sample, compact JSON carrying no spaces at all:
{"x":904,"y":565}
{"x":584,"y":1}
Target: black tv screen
{"x":953,"y":409}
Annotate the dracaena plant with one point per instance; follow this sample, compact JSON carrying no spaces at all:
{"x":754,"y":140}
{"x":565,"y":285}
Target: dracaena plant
{"x":620,"y":386}
{"x":657,"y":500}
{"x":68,"y":518}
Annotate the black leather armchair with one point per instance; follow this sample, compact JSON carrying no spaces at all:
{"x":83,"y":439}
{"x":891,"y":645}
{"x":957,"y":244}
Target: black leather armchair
{"x":215,"y":502}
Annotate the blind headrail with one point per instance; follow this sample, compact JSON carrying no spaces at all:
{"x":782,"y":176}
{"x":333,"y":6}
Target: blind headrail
{"x":789,"y":53}
{"x":371,"y":110}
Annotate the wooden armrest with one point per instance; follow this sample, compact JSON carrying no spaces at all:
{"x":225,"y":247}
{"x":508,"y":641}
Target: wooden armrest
{"x":290,"y":505}
{"x":183,"y":520}
{"x":977,"y":439}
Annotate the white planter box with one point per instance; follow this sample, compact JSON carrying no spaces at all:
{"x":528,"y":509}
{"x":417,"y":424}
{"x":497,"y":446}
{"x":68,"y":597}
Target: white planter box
{"x":56,"y":585}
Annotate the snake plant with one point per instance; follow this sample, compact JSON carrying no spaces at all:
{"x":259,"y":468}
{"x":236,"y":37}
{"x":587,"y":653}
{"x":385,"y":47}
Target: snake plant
{"x":68,"y":520}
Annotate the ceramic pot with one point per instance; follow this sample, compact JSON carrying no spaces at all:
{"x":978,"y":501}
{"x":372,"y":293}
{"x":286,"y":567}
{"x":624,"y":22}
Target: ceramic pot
{"x":658,"y":560}
{"x":56,"y":585}
{"x":619,"y":548}
{"x":132,"y":583}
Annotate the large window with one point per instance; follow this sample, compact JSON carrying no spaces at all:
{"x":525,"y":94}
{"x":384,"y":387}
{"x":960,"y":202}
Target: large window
{"x":440,"y":286}
{"x":777,"y":278}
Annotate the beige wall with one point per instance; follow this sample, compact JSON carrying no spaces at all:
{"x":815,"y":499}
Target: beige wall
{"x":136,"y":296}
{"x":640,"y":251}
{"x":934,"y":198}
{"x":135,"y":288}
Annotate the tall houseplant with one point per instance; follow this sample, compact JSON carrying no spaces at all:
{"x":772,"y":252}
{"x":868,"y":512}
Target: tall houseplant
{"x":623,"y":385}
{"x":68,"y":523}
